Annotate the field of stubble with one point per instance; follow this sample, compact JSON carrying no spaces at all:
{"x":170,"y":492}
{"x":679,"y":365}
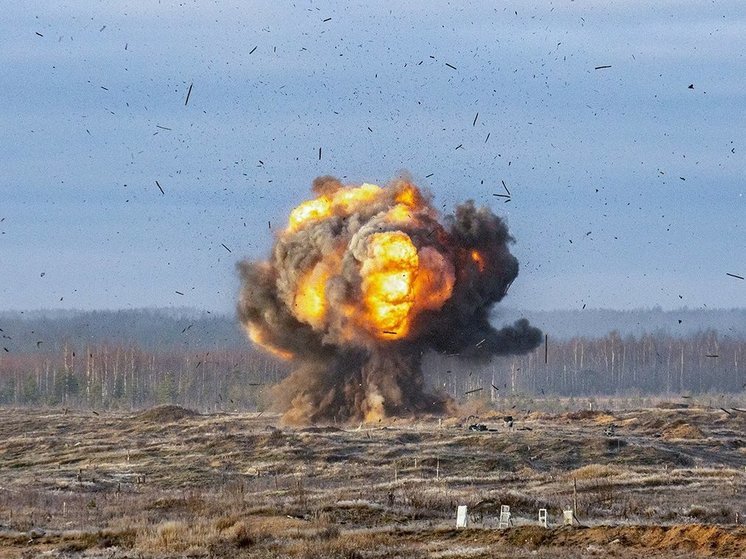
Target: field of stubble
{"x":171,"y":483}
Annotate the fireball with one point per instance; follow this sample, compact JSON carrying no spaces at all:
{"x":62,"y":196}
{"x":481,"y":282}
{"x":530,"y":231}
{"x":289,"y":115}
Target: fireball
{"x":362,"y":281}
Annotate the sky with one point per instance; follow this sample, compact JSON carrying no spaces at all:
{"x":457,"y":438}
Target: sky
{"x":618,"y":127}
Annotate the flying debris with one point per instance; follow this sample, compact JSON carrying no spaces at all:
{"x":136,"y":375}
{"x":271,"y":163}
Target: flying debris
{"x":361,"y":284}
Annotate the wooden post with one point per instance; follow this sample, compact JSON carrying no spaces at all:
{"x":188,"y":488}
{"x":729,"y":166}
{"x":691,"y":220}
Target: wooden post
{"x":575,"y":496}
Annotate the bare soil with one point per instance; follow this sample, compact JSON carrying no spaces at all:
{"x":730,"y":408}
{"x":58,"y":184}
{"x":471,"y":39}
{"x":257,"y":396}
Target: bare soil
{"x":169,"y":482}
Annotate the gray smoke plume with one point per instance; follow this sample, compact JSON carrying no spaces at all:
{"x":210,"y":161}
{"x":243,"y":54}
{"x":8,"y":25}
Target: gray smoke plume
{"x":366,"y":280}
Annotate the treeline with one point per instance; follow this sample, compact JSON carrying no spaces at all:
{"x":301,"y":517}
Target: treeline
{"x":148,"y":329}
{"x":129,"y":377}
{"x":650,"y":364}
{"x":118,"y":376}
{"x":178,"y":329}
{"x":589,"y":322}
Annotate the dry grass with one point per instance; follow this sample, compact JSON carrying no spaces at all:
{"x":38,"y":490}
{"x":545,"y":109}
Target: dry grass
{"x":592,"y":471}
{"x":169,"y":483}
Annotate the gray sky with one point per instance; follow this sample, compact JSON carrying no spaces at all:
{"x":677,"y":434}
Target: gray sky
{"x":627,"y":185}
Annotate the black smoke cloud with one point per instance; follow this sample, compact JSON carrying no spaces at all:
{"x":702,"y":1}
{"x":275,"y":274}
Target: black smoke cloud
{"x":342,"y":370}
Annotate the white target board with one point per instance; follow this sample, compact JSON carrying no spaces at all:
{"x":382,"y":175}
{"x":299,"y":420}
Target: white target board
{"x":461,"y":516}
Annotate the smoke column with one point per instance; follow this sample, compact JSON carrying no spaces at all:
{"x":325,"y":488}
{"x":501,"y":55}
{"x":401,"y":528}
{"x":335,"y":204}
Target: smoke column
{"x":361,"y":284}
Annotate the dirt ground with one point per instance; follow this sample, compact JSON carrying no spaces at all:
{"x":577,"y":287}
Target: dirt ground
{"x":169,"y":482}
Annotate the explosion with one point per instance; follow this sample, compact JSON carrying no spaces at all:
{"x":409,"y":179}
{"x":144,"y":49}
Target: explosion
{"x":362,"y":282}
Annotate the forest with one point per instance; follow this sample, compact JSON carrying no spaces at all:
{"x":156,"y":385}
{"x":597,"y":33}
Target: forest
{"x":139,"y":358}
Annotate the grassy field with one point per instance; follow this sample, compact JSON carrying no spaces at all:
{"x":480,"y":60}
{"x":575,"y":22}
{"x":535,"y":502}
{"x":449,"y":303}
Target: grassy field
{"x":168,"y":482}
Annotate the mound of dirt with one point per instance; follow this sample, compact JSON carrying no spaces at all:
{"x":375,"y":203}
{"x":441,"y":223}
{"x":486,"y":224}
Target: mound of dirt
{"x":166,"y":414}
{"x":588,"y":414}
{"x":703,"y":540}
{"x":682,"y":430}
{"x":592,"y":471}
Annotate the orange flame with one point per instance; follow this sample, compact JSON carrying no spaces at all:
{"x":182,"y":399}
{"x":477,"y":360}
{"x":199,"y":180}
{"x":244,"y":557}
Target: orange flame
{"x":399,"y":282}
{"x":312,"y":210}
{"x":310,"y":296}
{"x":258,"y":336}
{"x":477,"y":257}
{"x":397,"y":279}
{"x":408,"y":196}
{"x":343,"y":202}
{"x":388,"y":273}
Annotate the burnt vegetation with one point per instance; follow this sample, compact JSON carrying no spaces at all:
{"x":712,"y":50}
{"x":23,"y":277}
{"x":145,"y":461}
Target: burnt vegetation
{"x":168,"y":482}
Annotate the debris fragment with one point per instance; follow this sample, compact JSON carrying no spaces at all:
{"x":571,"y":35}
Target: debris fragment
{"x":691,"y":86}
{"x":505,"y":187}
{"x":252,"y":50}
{"x":475,"y":120}
{"x":179,"y":293}
{"x":225,"y":247}
{"x":189,"y":92}
{"x":159,"y":187}
{"x":327,"y":19}
{"x":451,"y":66}
{"x":319,"y":154}
{"x":734,"y":275}
{"x":602,"y":67}
{"x":472,"y":391}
